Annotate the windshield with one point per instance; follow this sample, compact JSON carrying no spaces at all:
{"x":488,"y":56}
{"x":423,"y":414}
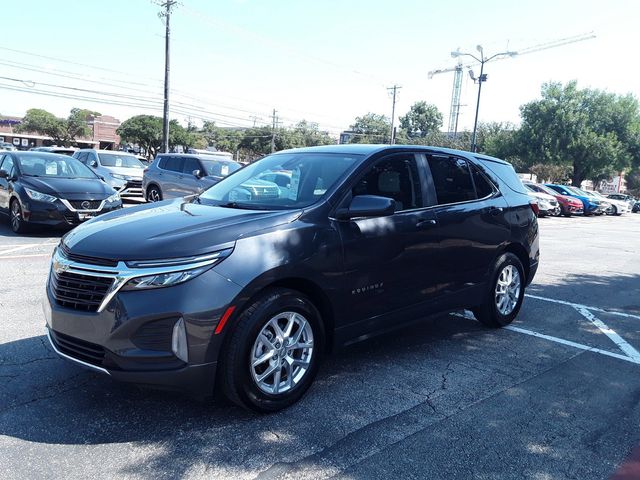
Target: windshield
{"x":119,"y":160}
{"x":302,"y":179}
{"x":219,"y":168}
{"x":547,"y":190}
{"x":53,"y":165}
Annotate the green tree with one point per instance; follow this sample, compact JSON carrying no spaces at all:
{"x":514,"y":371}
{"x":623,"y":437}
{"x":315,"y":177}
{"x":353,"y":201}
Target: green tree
{"x":371,"y":128}
{"x":421,"y":119}
{"x":594,"y":132}
{"x":62,"y":131}
{"x":77,"y":123}
{"x":145,"y":130}
{"x":223,"y":139}
{"x":45,"y":123}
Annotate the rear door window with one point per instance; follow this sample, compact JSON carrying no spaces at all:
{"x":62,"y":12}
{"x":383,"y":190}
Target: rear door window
{"x":484,"y":188}
{"x":452,"y":179}
{"x":173,"y":164}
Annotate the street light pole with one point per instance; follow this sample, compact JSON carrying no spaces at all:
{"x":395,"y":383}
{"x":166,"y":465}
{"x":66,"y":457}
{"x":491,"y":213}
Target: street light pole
{"x":481,"y":79}
{"x":165,"y":111}
{"x":475,"y":122}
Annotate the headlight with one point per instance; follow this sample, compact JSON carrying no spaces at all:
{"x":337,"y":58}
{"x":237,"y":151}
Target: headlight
{"x":119,"y":177}
{"x":114,"y":198}
{"x":39,"y":196}
{"x":164,"y":279}
{"x":173,"y":271}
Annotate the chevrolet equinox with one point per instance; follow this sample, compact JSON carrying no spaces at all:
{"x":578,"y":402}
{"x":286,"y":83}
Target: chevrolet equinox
{"x":247,"y":289}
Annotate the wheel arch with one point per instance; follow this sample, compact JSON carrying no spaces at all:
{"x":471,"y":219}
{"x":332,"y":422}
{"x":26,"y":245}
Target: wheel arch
{"x":315,"y":293}
{"x":522,"y":254}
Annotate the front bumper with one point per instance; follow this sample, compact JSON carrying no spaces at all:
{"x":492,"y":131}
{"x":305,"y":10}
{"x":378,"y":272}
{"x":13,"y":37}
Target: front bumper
{"x":131,"y":188}
{"x":131,"y":339}
{"x":62,"y":212}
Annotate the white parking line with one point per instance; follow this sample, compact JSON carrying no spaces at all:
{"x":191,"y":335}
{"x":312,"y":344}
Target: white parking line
{"x":615,"y":338}
{"x":631,"y":354}
{"x":24,"y":247}
{"x":577,"y":305}
{"x":9,"y":257}
{"x":572,"y":344}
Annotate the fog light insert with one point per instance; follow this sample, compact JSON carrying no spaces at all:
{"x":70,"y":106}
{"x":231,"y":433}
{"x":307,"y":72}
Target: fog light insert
{"x":179,"y":341}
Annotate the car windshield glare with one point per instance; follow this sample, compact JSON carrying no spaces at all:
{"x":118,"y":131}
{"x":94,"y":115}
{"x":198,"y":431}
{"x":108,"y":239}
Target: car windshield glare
{"x":53,"y":165}
{"x":282,"y":181}
{"x":119,"y":160}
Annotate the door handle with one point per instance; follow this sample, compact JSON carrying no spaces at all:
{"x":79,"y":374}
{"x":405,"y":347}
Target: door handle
{"x":426,"y":222}
{"x":495,"y":211}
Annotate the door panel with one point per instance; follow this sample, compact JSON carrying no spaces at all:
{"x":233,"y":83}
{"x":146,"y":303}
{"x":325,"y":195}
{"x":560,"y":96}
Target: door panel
{"x":390,"y":261}
{"x":471,"y":228}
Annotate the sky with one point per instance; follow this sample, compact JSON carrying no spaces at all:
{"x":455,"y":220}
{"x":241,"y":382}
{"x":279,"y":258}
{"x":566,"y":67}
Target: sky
{"x":234,"y":61}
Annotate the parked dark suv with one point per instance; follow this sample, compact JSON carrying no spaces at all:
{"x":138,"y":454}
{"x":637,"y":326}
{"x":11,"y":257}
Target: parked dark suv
{"x":249,"y":292}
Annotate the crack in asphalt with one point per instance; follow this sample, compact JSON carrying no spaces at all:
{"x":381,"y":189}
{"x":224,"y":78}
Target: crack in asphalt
{"x":38,"y":398}
{"x":296,"y":468}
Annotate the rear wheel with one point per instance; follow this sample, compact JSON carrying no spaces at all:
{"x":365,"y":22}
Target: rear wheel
{"x":154,"y":194}
{"x":505,"y":295}
{"x":16,"y":219}
{"x":273,"y":353}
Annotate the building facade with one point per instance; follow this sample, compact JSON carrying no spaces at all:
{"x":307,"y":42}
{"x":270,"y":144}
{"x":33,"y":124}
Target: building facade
{"x":103,"y":134}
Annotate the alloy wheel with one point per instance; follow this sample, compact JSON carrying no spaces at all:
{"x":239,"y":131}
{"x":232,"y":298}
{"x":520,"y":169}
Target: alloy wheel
{"x":16,"y":216}
{"x":281,"y":355}
{"x":507,"y":292}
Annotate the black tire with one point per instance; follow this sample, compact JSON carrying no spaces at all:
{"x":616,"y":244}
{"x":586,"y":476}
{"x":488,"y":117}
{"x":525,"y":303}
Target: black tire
{"x":235,"y":374}
{"x":567,"y":214}
{"x":16,"y":220}
{"x":154,"y":194}
{"x":488,"y":313}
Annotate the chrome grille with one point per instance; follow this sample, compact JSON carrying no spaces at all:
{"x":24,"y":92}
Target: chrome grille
{"x":79,"y":292}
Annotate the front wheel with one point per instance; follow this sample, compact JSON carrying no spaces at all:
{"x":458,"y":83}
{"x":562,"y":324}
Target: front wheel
{"x":154,"y":194}
{"x":273,"y":353}
{"x":16,"y":219}
{"x":505,"y":294}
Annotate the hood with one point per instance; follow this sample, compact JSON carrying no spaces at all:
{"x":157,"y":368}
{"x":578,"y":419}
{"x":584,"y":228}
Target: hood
{"x":169,"y":229}
{"x":542,"y":196}
{"x":69,"y":188}
{"x":129,"y":172}
{"x":568,"y":199}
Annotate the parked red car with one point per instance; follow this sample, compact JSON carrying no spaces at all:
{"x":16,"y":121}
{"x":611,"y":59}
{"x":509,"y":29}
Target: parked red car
{"x":568,"y":205}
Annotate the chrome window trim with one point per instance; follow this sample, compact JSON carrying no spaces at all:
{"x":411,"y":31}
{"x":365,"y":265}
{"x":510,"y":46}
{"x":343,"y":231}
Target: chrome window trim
{"x":122,"y":273}
{"x":70,"y":207}
{"x":68,"y":357}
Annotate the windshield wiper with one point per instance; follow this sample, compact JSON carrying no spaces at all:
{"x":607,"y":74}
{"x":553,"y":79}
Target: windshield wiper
{"x":229,"y":205}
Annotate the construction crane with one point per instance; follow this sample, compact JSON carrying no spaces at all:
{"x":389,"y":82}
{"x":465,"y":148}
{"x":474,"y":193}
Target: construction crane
{"x":458,"y":69}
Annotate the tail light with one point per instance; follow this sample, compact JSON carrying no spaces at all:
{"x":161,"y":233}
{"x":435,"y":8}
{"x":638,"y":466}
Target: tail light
{"x":534,"y":206}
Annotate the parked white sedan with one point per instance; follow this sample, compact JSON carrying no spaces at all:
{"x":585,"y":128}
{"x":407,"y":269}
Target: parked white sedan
{"x":547,"y":204}
{"x":618,"y":207}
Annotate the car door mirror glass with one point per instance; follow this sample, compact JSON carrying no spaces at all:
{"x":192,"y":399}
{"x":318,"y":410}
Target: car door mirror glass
{"x":4,"y":174}
{"x":93,"y":163}
{"x":197,"y":173}
{"x":368,"y":206}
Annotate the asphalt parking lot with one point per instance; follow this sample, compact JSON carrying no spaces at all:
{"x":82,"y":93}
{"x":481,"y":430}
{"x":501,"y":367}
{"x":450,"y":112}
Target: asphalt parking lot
{"x":554,"y":396}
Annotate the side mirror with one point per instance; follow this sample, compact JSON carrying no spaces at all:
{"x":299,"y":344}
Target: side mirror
{"x":367,"y":206}
{"x":197,"y":174}
{"x":4,"y":174}
{"x":93,"y":163}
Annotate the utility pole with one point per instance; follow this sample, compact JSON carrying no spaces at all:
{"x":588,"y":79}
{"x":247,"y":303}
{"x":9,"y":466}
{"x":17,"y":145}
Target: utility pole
{"x":392,"y":136}
{"x":255,"y":119}
{"x":168,"y":4}
{"x":273,"y":131}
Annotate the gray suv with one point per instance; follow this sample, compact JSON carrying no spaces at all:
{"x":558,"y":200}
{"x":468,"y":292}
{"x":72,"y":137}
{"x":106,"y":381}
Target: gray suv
{"x":121,"y":170}
{"x":174,"y":175}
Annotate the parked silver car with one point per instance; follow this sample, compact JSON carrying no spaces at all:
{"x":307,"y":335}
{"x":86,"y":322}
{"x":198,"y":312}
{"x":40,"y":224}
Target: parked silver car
{"x":174,"y":175}
{"x":121,"y":170}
